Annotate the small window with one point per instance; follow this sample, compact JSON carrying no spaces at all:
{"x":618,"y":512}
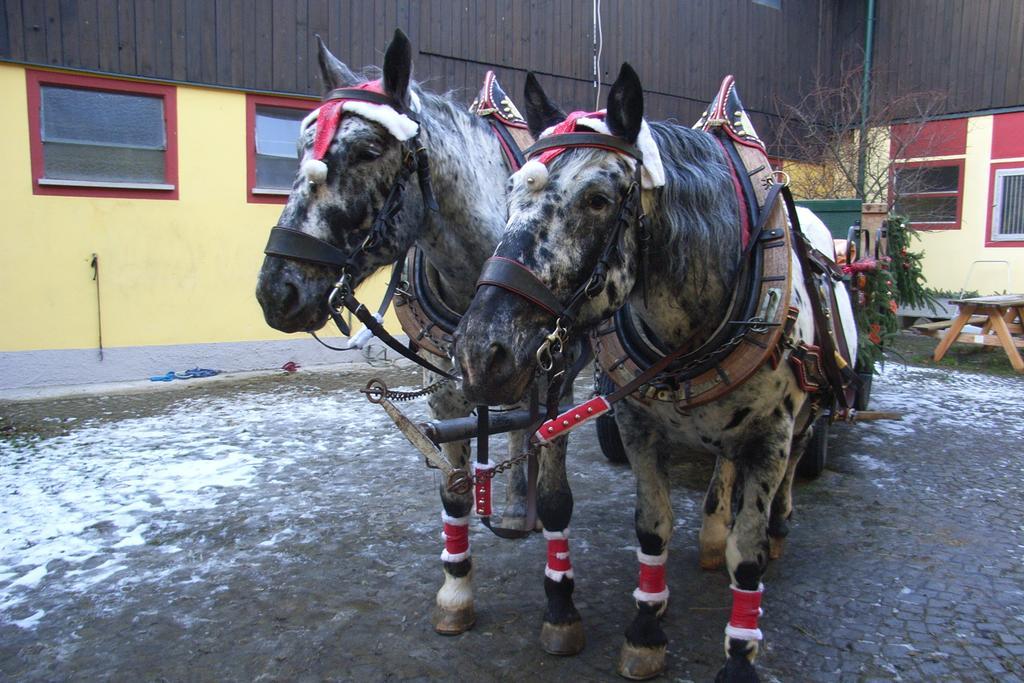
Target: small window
{"x":272,"y":145}
{"x":94,"y":136}
{"x":277,"y":158}
{"x":1008,"y":208}
{"x":929,"y":194}
{"x":774,"y":4}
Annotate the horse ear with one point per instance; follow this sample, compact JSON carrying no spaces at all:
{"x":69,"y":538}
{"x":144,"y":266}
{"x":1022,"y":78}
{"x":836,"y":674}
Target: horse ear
{"x":541,"y":112}
{"x":398,"y":68}
{"x":333,"y":72}
{"x":626,"y":105}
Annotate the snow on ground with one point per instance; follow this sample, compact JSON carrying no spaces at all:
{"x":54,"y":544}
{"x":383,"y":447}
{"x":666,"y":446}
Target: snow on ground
{"x":80,"y":502}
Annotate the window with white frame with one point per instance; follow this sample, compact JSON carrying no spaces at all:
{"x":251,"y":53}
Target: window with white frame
{"x":97,"y":137}
{"x":277,"y":158}
{"x":1008,"y":207}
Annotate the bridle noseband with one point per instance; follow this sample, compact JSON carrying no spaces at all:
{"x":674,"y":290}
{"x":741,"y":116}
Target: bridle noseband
{"x":299,"y":246}
{"x":514,"y":276}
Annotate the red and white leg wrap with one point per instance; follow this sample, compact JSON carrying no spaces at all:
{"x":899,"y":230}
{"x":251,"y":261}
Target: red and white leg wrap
{"x":456,"y":538}
{"x":746,"y":608}
{"x":650,"y":586}
{"x":482,"y":486}
{"x":559,"y":565}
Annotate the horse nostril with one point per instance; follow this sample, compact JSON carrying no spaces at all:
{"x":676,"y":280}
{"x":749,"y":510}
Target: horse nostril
{"x":497,"y":356}
{"x":291,"y":301}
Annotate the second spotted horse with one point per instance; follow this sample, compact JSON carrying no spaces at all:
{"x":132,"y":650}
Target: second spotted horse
{"x":721,"y":296}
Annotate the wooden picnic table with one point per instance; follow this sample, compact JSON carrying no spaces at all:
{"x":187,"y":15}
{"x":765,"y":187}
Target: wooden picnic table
{"x":1001,"y":319}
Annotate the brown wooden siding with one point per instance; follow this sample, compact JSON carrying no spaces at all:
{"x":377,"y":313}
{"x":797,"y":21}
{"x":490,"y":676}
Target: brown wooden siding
{"x":682,"y":49}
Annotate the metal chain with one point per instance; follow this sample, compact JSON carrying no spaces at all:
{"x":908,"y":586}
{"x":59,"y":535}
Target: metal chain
{"x":484,"y":475}
{"x":755,"y":324}
{"x":376,"y":391}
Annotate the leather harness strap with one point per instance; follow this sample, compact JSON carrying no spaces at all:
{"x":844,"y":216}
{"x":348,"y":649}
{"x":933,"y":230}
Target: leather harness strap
{"x":515,"y":277}
{"x":292,"y":244}
{"x":596,"y":140}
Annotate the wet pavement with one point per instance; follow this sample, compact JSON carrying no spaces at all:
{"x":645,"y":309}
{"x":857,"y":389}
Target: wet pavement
{"x":279,"y":529}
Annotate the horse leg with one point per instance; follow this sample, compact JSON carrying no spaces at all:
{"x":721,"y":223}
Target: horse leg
{"x":761,"y":466}
{"x":782,"y":503}
{"x":514,"y":514}
{"x":562,"y":630}
{"x":717,"y":515}
{"x":644,"y":650}
{"x":454,"y":612}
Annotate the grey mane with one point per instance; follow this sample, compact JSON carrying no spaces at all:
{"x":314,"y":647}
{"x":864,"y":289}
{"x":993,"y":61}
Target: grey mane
{"x":695,"y":217}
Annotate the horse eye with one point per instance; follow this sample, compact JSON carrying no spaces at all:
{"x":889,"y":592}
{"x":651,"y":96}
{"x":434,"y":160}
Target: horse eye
{"x":598,"y":202}
{"x":368,"y":153}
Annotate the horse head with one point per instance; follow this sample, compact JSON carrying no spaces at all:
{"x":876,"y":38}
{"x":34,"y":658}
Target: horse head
{"x":574,"y":228}
{"x":356,"y":149}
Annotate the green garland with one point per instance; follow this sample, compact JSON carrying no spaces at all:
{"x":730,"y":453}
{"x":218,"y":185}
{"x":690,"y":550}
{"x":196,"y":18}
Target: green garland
{"x":881,"y":286}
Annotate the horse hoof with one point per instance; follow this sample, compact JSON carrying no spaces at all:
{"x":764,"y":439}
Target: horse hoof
{"x":562,"y":639}
{"x":776,"y":545}
{"x":737,"y":670}
{"x":510,"y":522}
{"x":712,"y":559}
{"x":453,"y":622}
{"x":639,"y":663}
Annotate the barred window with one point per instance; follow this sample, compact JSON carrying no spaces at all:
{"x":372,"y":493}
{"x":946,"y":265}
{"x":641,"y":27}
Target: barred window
{"x":1008,"y":207}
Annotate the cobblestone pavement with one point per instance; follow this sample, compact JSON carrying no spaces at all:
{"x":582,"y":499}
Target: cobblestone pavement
{"x":279,"y":529}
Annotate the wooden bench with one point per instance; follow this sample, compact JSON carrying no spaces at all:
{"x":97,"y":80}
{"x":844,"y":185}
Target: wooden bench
{"x":1002,"y":324}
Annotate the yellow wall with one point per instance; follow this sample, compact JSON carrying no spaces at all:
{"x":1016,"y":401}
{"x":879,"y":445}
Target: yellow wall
{"x":949,"y":253}
{"x":172,"y":272}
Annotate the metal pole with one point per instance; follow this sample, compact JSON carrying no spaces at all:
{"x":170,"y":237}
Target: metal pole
{"x":865,"y":95}
{"x":99,"y":316}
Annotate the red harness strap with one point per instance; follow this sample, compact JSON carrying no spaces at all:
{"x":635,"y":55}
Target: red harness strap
{"x":482,"y":486}
{"x":744,"y":218}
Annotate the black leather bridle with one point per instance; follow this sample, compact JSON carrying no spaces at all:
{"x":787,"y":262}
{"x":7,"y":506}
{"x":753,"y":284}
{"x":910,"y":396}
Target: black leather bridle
{"x":299,"y":246}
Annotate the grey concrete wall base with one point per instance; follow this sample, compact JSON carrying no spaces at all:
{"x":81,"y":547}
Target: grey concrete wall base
{"x":25,"y":369}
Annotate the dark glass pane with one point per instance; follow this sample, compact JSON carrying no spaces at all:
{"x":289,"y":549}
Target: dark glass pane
{"x":103,"y":118}
{"x":275,"y":173}
{"x":920,"y":179}
{"x":277,"y":131}
{"x":1011,"y":207}
{"x":928,"y":209}
{"x":103,"y":164}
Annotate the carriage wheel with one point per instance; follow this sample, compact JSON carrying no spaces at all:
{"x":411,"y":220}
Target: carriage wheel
{"x":812,"y":462}
{"x":608,"y":436}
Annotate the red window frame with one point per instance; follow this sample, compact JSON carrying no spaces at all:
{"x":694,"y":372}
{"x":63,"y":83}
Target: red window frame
{"x":959,"y":194}
{"x":251,"y":102}
{"x":989,"y":242}
{"x":168,"y":93}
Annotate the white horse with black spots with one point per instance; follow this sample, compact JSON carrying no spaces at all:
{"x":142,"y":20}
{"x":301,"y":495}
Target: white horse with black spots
{"x":562,"y":217}
{"x":352,"y":155}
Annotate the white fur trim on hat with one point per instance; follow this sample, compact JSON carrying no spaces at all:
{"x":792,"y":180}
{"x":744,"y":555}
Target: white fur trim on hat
{"x":653,"y":173}
{"x":399,"y":125}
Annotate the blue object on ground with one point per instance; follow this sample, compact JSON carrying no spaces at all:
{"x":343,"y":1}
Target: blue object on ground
{"x":188,"y":374}
{"x":196,"y":372}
